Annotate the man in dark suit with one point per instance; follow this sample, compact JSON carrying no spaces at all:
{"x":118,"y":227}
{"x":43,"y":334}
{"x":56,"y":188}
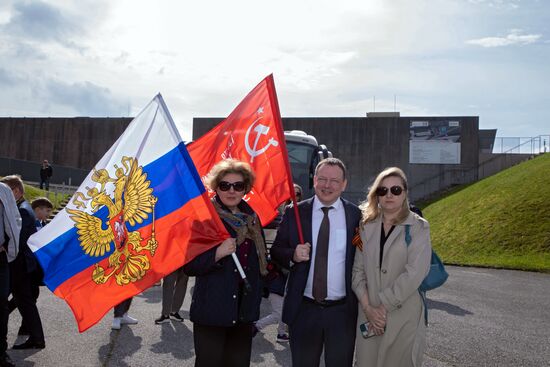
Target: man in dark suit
{"x":22,"y":269}
{"x":320,"y":306}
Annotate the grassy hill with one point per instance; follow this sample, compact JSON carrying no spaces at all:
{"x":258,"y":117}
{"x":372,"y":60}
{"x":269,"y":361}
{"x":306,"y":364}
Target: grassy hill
{"x":502,"y":221}
{"x":32,"y":192}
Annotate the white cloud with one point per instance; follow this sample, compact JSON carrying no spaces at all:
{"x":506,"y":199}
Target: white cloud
{"x":99,"y":57}
{"x":513,"y":38}
{"x":506,"y":4}
{"x":85,"y":99}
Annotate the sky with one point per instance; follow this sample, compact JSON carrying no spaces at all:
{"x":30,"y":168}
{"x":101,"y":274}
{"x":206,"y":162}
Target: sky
{"x":99,"y":58}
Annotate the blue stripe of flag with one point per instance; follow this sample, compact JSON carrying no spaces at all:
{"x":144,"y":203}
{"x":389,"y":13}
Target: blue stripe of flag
{"x":174,"y":180}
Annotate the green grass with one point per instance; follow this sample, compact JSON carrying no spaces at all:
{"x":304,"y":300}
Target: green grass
{"x":32,"y":192}
{"x":502,"y":221}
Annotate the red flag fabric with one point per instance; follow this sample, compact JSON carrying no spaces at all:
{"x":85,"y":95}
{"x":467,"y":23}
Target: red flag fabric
{"x":252,"y":133}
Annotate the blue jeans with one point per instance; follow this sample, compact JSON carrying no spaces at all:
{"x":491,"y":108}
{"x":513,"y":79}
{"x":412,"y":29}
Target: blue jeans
{"x":45,"y":182}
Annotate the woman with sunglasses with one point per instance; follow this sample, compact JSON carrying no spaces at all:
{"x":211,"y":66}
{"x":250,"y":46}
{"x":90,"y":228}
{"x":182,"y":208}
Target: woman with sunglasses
{"x":395,"y":258}
{"x":222,"y":309}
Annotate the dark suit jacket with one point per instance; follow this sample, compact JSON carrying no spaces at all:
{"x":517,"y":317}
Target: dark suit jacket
{"x":282,"y":251}
{"x":26,"y":261}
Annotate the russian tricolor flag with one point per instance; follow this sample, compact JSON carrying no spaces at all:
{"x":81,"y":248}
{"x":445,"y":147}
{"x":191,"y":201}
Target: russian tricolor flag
{"x":140,"y":214}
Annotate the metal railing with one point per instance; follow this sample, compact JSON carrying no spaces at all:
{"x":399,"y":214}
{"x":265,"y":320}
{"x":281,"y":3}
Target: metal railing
{"x":55,"y":189}
{"x":518,"y":144}
{"x":527,"y":147}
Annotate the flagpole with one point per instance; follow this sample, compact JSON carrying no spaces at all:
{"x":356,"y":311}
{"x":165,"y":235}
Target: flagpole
{"x":241,"y":271}
{"x":281,"y":133}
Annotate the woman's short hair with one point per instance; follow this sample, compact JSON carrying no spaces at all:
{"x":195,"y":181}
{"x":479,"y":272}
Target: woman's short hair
{"x":227,"y":166}
{"x":370,"y":208}
{"x":14,"y":181}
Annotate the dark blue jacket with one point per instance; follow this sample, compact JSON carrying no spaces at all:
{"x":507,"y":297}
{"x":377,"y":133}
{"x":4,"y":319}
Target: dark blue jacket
{"x":28,"y":228}
{"x":275,"y":280}
{"x":219,"y":298}
{"x":282,"y":252}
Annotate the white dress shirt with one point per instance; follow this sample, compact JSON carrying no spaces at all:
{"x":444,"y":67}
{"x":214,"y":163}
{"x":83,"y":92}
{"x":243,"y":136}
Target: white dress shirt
{"x":336,"y":283}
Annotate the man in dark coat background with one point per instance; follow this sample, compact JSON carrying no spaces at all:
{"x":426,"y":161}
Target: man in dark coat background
{"x":46,"y":172}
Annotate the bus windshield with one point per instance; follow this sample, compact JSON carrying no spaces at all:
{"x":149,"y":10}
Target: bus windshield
{"x":303,"y":159}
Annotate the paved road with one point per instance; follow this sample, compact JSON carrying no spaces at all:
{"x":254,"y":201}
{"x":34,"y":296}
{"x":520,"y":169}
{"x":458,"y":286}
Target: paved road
{"x":479,"y":318}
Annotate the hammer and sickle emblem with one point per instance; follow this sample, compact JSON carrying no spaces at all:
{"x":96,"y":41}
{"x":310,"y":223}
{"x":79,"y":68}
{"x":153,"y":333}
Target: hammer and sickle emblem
{"x":260,"y":130}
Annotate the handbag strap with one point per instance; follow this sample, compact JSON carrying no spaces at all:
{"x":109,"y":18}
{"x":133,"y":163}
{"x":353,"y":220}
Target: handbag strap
{"x":408,"y":238}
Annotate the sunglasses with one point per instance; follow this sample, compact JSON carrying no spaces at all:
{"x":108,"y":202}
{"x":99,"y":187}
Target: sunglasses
{"x":237,"y":186}
{"x":383,"y":191}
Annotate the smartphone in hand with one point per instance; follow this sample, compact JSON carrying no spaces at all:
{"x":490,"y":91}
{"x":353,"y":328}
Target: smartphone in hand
{"x":366,"y":330}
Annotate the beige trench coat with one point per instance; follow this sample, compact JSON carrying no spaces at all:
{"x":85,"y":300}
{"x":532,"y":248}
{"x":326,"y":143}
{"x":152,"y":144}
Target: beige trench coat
{"x":394,"y":284}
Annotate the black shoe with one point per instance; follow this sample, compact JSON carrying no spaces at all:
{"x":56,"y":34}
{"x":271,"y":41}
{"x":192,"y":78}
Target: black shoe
{"x":29,"y":344}
{"x":162,"y":319}
{"x":5,"y":361}
{"x":176,"y":316}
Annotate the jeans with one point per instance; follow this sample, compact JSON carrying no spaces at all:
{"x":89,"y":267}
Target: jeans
{"x":122,"y":307}
{"x":45,"y":182}
{"x":174,"y":287}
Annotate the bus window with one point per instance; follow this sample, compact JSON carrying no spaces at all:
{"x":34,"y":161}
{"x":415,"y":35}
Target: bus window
{"x":302,"y":158}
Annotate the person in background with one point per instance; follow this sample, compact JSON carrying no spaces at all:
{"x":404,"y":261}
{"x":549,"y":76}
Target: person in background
{"x":174,"y":287}
{"x":42,"y":208}
{"x":320,"y":307}
{"x":10,"y":228}
{"x":121,"y":316}
{"x":387,"y":274}
{"x":297,"y":193}
{"x":276,"y":284}
{"x":223,"y":310}
{"x":22,"y":269}
{"x":46,"y":172}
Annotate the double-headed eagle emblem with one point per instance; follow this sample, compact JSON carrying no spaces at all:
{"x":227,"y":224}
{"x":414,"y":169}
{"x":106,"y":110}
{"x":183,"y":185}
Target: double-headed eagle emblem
{"x":132,"y":203}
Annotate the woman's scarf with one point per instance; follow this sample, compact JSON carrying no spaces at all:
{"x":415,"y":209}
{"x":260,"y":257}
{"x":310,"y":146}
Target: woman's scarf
{"x":246,"y":226}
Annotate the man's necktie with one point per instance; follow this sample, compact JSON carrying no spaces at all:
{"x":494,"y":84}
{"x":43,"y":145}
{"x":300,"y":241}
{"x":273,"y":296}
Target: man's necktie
{"x":321,"y":258}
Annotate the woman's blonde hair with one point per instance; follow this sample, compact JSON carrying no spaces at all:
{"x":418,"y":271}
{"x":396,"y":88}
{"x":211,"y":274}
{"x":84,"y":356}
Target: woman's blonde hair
{"x":371,"y":210}
{"x":227,"y":166}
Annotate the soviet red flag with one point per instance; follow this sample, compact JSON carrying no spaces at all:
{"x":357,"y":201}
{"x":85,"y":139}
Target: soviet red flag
{"x":252,"y":133}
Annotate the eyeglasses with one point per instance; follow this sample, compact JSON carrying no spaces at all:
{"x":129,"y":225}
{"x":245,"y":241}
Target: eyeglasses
{"x":237,"y":186}
{"x":330,"y":181}
{"x":383,"y":191}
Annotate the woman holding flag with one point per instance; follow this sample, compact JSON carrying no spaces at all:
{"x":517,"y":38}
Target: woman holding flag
{"x":224,"y":305}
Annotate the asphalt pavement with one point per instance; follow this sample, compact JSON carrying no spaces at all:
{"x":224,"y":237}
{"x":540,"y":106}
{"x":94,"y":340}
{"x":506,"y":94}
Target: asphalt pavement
{"x":480,"y":317}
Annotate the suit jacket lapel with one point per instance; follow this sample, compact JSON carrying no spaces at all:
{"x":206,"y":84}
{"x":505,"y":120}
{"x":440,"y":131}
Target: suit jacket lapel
{"x":350,"y":253}
{"x":305,"y":214}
